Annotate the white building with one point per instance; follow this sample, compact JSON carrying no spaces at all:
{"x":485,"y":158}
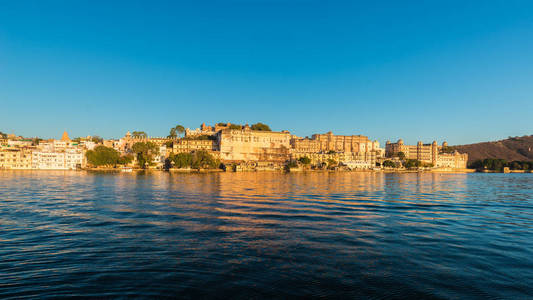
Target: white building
{"x":359,"y":164}
{"x":70,"y":159}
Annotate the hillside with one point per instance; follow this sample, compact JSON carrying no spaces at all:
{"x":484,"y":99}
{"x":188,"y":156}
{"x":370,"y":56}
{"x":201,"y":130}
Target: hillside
{"x":513,"y":148}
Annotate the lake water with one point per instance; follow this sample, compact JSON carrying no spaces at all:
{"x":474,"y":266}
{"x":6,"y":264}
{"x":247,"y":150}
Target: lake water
{"x":265,"y":235}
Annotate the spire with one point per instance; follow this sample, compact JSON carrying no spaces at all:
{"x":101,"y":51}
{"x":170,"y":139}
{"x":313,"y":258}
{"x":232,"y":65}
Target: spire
{"x":65,"y":137}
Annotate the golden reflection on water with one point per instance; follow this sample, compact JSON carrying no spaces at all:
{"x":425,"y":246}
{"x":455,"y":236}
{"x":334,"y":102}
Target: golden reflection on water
{"x":299,"y":225}
{"x":242,"y":200}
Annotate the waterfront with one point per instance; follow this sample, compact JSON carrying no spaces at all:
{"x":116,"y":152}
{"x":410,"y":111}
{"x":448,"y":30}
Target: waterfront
{"x":266,"y":235}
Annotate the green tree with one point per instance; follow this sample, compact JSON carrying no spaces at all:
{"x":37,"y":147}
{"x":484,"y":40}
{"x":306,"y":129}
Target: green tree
{"x":173,"y":134}
{"x":401,"y":156}
{"x":260,"y":127}
{"x":412,"y":163}
{"x":125,"y":159}
{"x":176,"y":131}
{"x":181,"y":160}
{"x":291,"y":164}
{"x":96,"y":139}
{"x":235,"y":126}
{"x":447,"y":149}
{"x":201,"y":159}
{"x":102,"y":156}
{"x":139,"y":134}
{"x":145,"y":152}
{"x":332,"y":163}
{"x":389,"y":164}
{"x":304,"y":160}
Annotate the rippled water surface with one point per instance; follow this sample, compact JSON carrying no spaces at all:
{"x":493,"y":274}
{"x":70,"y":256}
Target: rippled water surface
{"x":266,"y":235}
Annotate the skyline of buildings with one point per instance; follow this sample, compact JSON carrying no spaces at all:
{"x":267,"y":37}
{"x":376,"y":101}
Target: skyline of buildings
{"x":253,"y":147}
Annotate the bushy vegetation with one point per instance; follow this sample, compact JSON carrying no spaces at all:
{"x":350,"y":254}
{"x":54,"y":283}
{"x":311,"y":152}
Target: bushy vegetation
{"x":304,"y":160}
{"x":291,"y":164}
{"x":260,"y":126}
{"x":3,"y":135}
{"x":105,"y":156}
{"x":235,"y":126}
{"x":95,"y":139}
{"x":401,"y":156}
{"x":447,"y":149}
{"x":412,"y":164}
{"x":389,"y":164}
{"x":139,"y":134}
{"x":332,"y":163}
{"x":197,"y":160}
{"x":495,"y":164}
{"x":144,"y":152}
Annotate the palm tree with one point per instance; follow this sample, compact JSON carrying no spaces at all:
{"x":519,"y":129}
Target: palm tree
{"x":175,"y":131}
{"x":180,"y":129}
{"x":172,"y":134}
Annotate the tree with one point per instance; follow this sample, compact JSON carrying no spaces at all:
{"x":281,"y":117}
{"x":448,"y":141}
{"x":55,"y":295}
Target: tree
{"x":389,"y":164}
{"x":103,"y":156}
{"x":181,"y":160}
{"x":180,"y":129}
{"x":3,"y":135}
{"x":125,"y":159}
{"x":145,"y":153}
{"x":260,"y":127}
{"x":447,"y":149}
{"x":172,"y":134}
{"x":331,"y":162}
{"x":304,"y":160}
{"x":412,"y":163}
{"x":97,"y":140}
{"x":201,"y":159}
{"x":291,"y":164}
{"x":235,"y":126}
{"x":401,"y":156}
{"x":175,"y":131}
{"x":139,"y":134}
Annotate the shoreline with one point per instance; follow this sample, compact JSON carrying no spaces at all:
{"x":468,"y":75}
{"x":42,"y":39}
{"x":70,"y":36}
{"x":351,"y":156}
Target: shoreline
{"x":296,"y":171}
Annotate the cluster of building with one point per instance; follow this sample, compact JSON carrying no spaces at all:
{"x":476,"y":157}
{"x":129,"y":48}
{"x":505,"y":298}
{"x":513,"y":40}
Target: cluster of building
{"x":235,"y":145}
{"x":63,"y":154}
{"x":431,"y":154}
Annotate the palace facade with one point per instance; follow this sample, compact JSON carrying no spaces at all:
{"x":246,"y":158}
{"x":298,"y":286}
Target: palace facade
{"x":428,"y":153}
{"x":244,"y":144}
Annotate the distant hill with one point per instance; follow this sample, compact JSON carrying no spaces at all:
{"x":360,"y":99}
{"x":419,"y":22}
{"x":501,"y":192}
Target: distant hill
{"x":513,"y":148}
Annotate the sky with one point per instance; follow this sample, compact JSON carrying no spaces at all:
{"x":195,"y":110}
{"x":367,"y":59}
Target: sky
{"x":460,"y":71}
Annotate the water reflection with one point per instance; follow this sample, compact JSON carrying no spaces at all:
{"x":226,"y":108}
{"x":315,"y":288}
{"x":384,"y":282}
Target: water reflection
{"x":265,"y":235}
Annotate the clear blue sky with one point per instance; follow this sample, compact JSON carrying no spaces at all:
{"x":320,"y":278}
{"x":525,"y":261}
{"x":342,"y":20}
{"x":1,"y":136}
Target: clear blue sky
{"x":455,"y":70}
